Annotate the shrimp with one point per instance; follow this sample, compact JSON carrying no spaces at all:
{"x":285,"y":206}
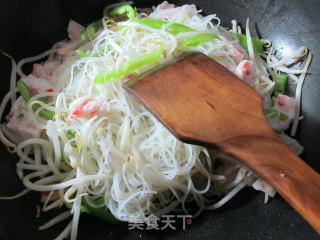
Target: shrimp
{"x":239,"y":54}
{"x":74,"y":29}
{"x":19,"y":123}
{"x":45,"y":70}
{"x":41,"y":77}
{"x":261,"y":185}
{"x":66,"y":47}
{"x":38,"y":84}
{"x":246,"y":71}
{"x":286,"y":105}
{"x":164,"y":5}
{"x":16,"y":109}
{"x":166,"y":10}
{"x":39,"y":71}
{"x":87,"y":107}
{"x":24,"y":128}
{"x":292,"y":144}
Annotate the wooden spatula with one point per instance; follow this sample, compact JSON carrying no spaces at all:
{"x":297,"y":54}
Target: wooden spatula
{"x":203,"y":103}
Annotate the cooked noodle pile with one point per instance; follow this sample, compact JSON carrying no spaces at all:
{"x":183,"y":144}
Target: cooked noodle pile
{"x":102,"y":147}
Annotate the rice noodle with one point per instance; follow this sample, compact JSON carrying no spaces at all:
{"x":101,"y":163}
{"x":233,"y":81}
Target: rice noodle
{"x":55,"y":220}
{"x":13,"y":75}
{"x":24,"y":192}
{"x":298,"y":95}
{"x":33,"y":59}
{"x":125,"y":156}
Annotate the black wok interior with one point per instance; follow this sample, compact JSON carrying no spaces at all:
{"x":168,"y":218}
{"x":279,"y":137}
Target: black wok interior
{"x":31,"y":27}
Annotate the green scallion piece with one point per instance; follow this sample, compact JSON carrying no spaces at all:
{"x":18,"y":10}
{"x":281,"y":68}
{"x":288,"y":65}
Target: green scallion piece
{"x":198,"y":40}
{"x":129,"y":67}
{"x":100,"y":212}
{"x":173,"y":28}
{"x":273,"y":114}
{"x":258,"y":45}
{"x":24,"y":91}
{"x":82,"y":208}
{"x":44,"y":113}
{"x":25,"y":94}
{"x":280,"y":84}
{"x":125,"y":9}
{"x":80,"y":52}
{"x":91,"y":29}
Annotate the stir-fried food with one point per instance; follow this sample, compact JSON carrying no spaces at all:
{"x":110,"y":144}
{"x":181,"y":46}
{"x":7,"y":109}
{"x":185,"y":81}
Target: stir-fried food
{"x":85,"y":143}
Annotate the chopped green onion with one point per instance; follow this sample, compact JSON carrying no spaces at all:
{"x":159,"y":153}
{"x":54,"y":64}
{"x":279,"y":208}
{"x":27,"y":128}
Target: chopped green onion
{"x":131,"y":13}
{"x":280,"y":84}
{"x":91,"y":29}
{"x":80,"y":52}
{"x":130,"y":66}
{"x":24,"y":91}
{"x":173,"y":28}
{"x":273,"y":113}
{"x":198,"y":40}
{"x":257,"y":44}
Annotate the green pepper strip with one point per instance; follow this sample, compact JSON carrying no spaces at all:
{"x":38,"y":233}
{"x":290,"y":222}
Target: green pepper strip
{"x":273,"y":113}
{"x":198,"y":40}
{"x":25,"y":94}
{"x":24,"y":91}
{"x":173,"y":28}
{"x":45,"y":113}
{"x":91,"y":29}
{"x":280,"y":84}
{"x":131,"y":13}
{"x":130,"y":66}
{"x":100,"y":212}
{"x":82,"y":208}
{"x":256,"y":43}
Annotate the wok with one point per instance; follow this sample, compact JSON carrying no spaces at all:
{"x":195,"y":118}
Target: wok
{"x":31,"y":27}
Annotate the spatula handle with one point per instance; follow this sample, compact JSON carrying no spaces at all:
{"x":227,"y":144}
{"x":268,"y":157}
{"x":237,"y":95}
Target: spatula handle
{"x":292,"y":178}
